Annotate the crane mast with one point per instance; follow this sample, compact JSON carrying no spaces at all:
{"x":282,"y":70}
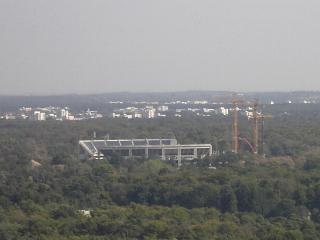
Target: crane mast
{"x":256,"y":118}
{"x":255,"y":128}
{"x":235,"y":132}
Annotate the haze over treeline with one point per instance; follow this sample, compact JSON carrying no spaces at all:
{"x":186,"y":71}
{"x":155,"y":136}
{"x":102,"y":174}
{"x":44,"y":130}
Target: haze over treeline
{"x":102,"y":101}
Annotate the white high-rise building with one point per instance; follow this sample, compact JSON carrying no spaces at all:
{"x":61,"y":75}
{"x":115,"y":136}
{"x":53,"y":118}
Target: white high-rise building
{"x":64,"y":114}
{"x":150,"y":113}
{"x":39,"y":116}
{"x":224,"y":111}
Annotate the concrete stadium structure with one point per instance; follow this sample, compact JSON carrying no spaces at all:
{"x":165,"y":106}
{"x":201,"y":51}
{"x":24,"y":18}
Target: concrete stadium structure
{"x":165,"y":149}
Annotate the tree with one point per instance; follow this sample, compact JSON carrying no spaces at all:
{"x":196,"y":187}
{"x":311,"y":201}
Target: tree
{"x":228,"y":200}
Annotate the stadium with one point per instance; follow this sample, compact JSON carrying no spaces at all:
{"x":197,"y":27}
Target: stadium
{"x":165,"y":149}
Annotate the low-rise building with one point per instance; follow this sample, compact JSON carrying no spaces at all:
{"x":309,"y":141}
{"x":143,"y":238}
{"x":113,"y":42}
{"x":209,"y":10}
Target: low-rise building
{"x":163,"y":108}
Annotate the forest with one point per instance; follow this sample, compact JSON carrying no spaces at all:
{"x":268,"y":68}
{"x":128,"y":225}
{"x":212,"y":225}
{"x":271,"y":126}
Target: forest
{"x":47,"y":193}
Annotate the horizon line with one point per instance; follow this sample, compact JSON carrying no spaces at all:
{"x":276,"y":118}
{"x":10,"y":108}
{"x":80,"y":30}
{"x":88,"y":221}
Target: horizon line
{"x":153,"y":92}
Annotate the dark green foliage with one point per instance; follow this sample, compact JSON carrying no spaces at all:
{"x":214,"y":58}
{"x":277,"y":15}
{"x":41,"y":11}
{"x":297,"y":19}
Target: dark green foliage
{"x":244,"y":198}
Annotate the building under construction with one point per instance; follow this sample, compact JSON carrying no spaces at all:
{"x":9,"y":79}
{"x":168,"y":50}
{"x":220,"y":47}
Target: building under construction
{"x":165,"y":149}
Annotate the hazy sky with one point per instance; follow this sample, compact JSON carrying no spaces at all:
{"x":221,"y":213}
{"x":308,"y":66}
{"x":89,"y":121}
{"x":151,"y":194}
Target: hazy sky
{"x":88,"y":46}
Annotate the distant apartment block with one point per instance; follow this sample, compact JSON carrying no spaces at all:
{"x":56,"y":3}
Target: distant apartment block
{"x":163,"y":108}
{"x":223,"y":111}
{"x":39,"y":116}
{"x":133,"y":112}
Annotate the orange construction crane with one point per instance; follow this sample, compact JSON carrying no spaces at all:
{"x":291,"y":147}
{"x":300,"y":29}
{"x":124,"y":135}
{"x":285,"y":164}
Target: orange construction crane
{"x":255,"y":129}
{"x":256,"y":118}
{"x":235,"y":132}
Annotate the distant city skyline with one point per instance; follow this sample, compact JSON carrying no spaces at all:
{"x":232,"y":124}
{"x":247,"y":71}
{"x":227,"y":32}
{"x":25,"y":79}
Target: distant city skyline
{"x":89,"y":47}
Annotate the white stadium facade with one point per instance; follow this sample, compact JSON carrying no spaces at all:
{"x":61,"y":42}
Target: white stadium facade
{"x":165,"y":149}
